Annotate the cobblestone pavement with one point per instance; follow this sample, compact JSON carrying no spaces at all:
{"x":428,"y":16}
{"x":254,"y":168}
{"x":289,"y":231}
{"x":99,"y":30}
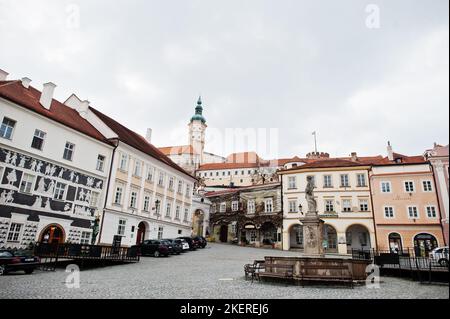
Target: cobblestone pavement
{"x":215,"y":272}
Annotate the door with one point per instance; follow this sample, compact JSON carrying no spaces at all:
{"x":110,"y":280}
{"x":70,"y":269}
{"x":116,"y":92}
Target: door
{"x":224,"y":233}
{"x":140,"y":234}
{"x":423,"y":244}
{"x":53,"y":234}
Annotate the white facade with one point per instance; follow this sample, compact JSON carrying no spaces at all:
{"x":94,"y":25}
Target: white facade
{"x":345,"y":207}
{"x":40,"y":188}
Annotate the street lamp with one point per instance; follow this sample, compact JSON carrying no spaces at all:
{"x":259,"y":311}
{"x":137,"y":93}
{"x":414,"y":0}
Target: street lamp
{"x":156,"y":208}
{"x":300,"y":207}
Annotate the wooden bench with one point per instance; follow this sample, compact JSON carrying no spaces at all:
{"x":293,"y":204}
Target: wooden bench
{"x":252,"y":270}
{"x":287,"y":271}
{"x":344,"y":274}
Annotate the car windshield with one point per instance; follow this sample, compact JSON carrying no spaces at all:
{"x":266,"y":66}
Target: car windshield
{"x":5,"y":253}
{"x":23,"y":253}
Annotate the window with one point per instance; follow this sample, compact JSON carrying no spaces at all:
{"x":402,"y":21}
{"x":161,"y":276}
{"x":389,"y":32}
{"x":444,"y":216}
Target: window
{"x":150,"y":173}
{"x":14,"y":232}
{"x":409,"y":187}
{"x":7,"y":128}
{"x":188,"y":191}
{"x":235,"y":206}
{"x":327,"y":181}
{"x":68,"y":151}
{"x":223,"y":207}
{"x":386,"y":187}
{"x":361,"y":178}
{"x":269,"y":205}
{"x":347,"y":205}
{"x":389,"y":212}
{"x":121,"y":227}
{"x":161,"y":179}
{"x":146,"y":207}
{"x":118,"y":195}
{"x":100,"y":163}
{"x":158,"y":206}
{"x":137,"y":168}
{"x":413,"y":212}
{"x":85,"y":238}
{"x":177,"y":212}
{"x":38,"y":140}
{"x":60,"y":191}
{"x":329,"y":205}
{"x":292,"y":206}
{"x":364,"y":205}
{"x":344,"y":180}
{"x":253,"y":236}
{"x":186,"y":214}
{"x":160,"y":232}
{"x":292,"y":181}
{"x":26,"y":185}
{"x":133,"y":199}
{"x":94,"y":199}
{"x":171,"y":183}
{"x":431,"y":212}
{"x":251,"y":206}
{"x":427,"y":186}
{"x":168,"y":209}
{"x":180,"y":187}
{"x":123,"y":162}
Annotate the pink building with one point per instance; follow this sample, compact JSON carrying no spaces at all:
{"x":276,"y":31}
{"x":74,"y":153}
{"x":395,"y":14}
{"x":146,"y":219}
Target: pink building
{"x":438,"y":157}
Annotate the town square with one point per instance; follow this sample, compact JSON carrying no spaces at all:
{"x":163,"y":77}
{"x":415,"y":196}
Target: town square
{"x":267,"y":153}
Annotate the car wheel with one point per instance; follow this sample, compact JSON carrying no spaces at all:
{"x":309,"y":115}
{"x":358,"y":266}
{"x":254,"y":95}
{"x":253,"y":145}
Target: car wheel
{"x":443,"y":262}
{"x":2,"y":270}
{"x":156,"y":254}
{"x":29,"y":271}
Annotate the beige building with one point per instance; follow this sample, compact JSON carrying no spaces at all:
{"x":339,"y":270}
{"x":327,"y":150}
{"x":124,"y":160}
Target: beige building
{"x":343,"y":199}
{"x":407,"y":214}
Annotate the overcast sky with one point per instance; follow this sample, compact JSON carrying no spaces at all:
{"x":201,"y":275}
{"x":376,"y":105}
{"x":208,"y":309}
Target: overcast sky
{"x":299,"y":66}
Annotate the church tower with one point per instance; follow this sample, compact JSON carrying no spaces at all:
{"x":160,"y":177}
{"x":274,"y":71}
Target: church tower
{"x":197,"y":128}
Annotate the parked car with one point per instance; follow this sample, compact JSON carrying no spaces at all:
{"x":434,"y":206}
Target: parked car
{"x":176,"y":247}
{"x":201,"y":241}
{"x":155,"y":248}
{"x":184,"y":244}
{"x":193,"y":245}
{"x":17,"y":260}
{"x":440,"y":255}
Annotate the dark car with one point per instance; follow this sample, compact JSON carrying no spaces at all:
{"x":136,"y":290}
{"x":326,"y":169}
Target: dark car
{"x":17,"y":260}
{"x":193,"y":245}
{"x":155,"y":248}
{"x":176,"y":247}
{"x":201,"y":241}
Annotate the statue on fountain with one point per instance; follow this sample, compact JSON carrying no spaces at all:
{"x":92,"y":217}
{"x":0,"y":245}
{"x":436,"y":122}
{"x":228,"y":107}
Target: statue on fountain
{"x":312,"y":224}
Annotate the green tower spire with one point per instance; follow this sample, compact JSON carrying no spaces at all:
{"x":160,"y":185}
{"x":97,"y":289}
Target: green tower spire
{"x":199,"y":112}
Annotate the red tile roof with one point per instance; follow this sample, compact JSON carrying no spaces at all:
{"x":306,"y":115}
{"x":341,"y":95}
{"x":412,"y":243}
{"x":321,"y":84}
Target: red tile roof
{"x":137,"y":141}
{"x":177,"y":150}
{"x":29,"y":98}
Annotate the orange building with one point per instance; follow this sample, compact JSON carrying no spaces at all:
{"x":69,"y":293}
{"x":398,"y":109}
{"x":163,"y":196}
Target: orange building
{"x":406,"y":207}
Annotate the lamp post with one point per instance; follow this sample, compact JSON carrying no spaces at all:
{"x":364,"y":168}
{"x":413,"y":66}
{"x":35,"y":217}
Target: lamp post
{"x":300,"y":207}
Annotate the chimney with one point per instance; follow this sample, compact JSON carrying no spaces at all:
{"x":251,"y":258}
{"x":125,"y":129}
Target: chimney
{"x":47,"y":95}
{"x":390,"y":152}
{"x":354,"y":157}
{"x":148,"y":137}
{"x":3,"y":75}
{"x":26,"y":82}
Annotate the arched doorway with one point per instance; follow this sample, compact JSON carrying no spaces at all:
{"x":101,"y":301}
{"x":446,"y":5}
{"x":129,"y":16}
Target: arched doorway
{"x":358,"y":238}
{"x":395,"y":243}
{"x":330,"y":239}
{"x":53,"y":234}
{"x":423,"y":244}
{"x":296,"y":237}
{"x":141,"y":233}
{"x":197,"y":223}
{"x":269,"y":233}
